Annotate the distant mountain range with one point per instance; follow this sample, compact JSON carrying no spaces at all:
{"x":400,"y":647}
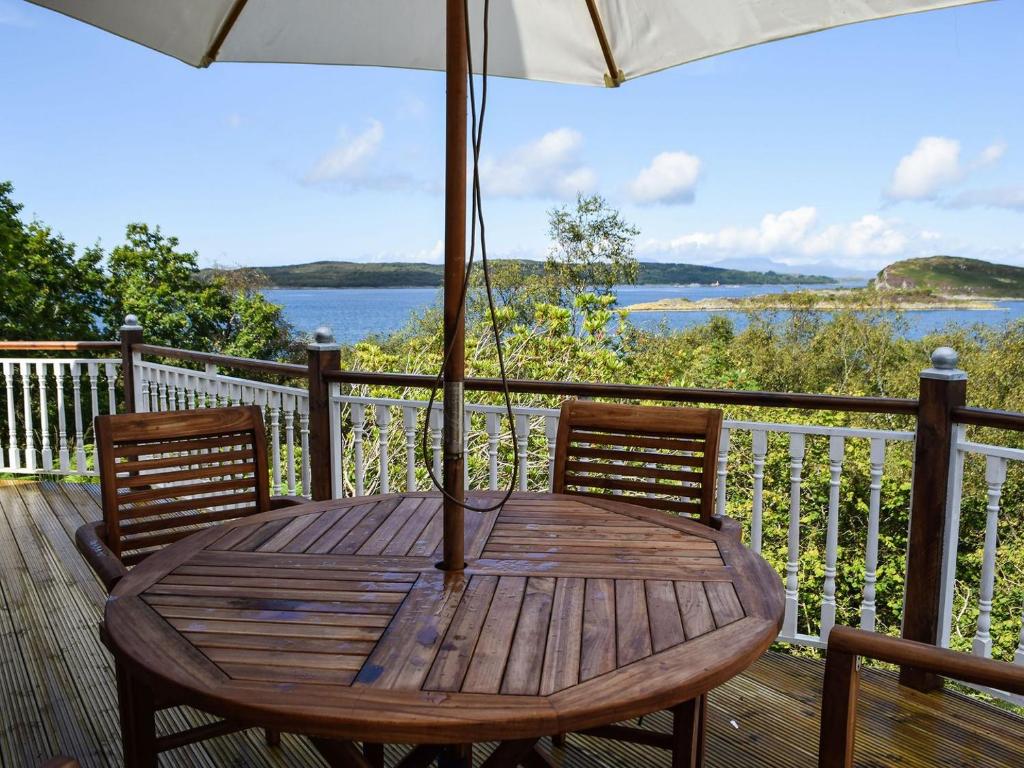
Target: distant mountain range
{"x":347,"y":274}
{"x":952,"y":276}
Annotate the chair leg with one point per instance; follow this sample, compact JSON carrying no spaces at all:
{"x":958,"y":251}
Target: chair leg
{"x":688,"y":733}
{"x":273,"y":738}
{"x":138,"y":721}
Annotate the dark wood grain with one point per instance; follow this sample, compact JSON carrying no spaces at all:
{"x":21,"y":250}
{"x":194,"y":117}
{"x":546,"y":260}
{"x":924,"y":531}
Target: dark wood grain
{"x":330,"y":618}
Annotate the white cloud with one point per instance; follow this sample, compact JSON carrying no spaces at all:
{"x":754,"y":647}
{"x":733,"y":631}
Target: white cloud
{"x":935,"y":165}
{"x":348,"y":160}
{"x":433,"y":254}
{"x":795,"y":237}
{"x":993,"y":153}
{"x":1009,"y":198}
{"x":670,"y":178}
{"x":547,"y":167}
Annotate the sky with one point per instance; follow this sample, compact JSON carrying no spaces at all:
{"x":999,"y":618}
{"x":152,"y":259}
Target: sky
{"x":833,"y":153}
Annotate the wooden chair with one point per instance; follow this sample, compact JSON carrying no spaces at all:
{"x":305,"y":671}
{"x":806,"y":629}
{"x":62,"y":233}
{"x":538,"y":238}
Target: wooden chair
{"x":163,"y":476}
{"x":839,"y":696}
{"x":657,"y":457}
{"x":664,"y":458}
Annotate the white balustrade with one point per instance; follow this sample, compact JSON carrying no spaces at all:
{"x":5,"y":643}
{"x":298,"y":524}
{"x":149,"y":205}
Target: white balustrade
{"x":285,"y":412}
{"x":37,"y":394}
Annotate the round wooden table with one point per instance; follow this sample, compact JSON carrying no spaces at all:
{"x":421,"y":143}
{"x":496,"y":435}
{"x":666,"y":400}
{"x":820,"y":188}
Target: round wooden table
{"x":330,"y":619}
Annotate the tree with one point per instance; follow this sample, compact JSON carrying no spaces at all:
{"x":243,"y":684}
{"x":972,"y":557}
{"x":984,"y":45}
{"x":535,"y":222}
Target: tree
{"x":49,"y":292}
{"x":161,"y":285}
{"x":592,"y":249}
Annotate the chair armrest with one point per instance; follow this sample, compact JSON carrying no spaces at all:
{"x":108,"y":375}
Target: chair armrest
{"x":839,"y":695}
{"x":728,"y":526}
{"x":280,"y":502}
{"x":91,"y":542}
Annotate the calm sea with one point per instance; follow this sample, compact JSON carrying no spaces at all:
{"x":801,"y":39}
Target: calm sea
{"x":355,"y":313}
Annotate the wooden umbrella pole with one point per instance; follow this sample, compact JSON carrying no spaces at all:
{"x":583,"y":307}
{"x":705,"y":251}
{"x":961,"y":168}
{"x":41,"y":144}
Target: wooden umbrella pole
{"x":454,"y":274}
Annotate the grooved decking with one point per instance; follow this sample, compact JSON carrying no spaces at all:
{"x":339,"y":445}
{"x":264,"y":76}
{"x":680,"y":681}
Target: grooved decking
{"x":57,"y":693}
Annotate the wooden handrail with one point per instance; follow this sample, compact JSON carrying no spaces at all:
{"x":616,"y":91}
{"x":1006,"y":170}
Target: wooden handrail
{"x":59,"y":346}
{"x":225,"y":361}
{"x":631,"y":392}
{"x":839,"y":694}
{"x":986,"y":417}
{"x":941,"y":661}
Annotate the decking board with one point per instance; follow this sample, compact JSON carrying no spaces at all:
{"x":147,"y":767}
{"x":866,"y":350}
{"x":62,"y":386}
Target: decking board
{"x":57,"y":690}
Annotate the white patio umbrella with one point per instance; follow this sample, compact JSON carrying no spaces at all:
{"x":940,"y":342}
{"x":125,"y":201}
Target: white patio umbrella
{"x":590,"y":42}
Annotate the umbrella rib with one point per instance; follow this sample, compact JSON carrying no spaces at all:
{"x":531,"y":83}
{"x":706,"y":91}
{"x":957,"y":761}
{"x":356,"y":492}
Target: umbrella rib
{"x":614,"y":76}
{"x":222,"y":33}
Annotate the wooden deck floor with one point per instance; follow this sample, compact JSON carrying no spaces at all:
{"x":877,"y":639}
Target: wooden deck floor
{"x":57,"y":694}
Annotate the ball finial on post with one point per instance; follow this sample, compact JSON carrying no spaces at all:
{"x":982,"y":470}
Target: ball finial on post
{"x":323,"y":335}
{"x":945,"y":358}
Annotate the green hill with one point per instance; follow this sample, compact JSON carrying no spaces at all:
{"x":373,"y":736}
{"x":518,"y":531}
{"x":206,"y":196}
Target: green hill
{"x":953,"y":276}
{"x":347,"y":274}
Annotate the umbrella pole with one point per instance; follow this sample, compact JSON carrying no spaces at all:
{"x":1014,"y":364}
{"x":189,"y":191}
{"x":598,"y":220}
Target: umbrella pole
{"x":454,"y":273}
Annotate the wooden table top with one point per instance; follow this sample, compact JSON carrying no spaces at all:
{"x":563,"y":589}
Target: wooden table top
{"x":331,"y":618}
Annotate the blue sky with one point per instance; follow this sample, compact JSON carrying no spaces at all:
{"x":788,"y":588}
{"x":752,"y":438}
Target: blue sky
{"x":837,"y":152}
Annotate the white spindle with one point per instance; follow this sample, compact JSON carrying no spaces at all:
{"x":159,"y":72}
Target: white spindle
{"x":26,"y":391}
{"x":409,"y":414}
{"x":435,"y":439}
{"x":796,"y":461}
{"x":76,"y":398}
{"x":275,"y":443}
{"x":522,"y":448}
{"x":1018,"y":655}
{"x":13,"y":454}
{"x":46,"y":451}
{"x":995,"y":476}
{"x":111,"y":376}
{"x":162,"y":399}
{"x":759,"y":441}
{"x":94,"y":391}
{"x":337,"y":449}
{"x":723,"y":471}
{"x":867,"y":606}
{"x":63,"y":457}
{"x":307,"y":478}
{"x":551,"y":432}
{"x":383,"y":417}
{"x":951,"y":547}
{"x":289,"y":438}
{"x":358,"y":415}
{"x":492,"y":450}
{"x":836,"y":449}
{"x":467,"y":422}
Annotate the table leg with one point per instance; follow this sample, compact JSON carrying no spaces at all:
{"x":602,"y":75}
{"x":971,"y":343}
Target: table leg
{"x":688,"y":733}
{"x":510,"y":754}
{"x":456,"y":756}
{"x":138,"y":722}
{"x":374,"y":754}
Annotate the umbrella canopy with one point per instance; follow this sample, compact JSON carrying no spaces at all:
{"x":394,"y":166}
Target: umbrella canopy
{"x":566,"y":41}
{"x":592,"y":42}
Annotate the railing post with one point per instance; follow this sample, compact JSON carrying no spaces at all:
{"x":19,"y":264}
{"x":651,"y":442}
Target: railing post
{"x":943,"y":387}
{"x":130,"y":334}
{"x":323,"y":355}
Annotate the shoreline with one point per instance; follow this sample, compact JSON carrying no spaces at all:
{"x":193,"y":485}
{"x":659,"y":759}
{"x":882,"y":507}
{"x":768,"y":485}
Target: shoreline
{"x":823,"y":305}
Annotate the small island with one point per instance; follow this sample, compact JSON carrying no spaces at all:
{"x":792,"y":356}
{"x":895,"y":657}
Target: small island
{"x":912,"y":285}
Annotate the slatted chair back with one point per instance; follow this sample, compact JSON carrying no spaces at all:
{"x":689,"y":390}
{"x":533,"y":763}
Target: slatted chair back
{"x":658,"y":457}
{"x":163,"y":476}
